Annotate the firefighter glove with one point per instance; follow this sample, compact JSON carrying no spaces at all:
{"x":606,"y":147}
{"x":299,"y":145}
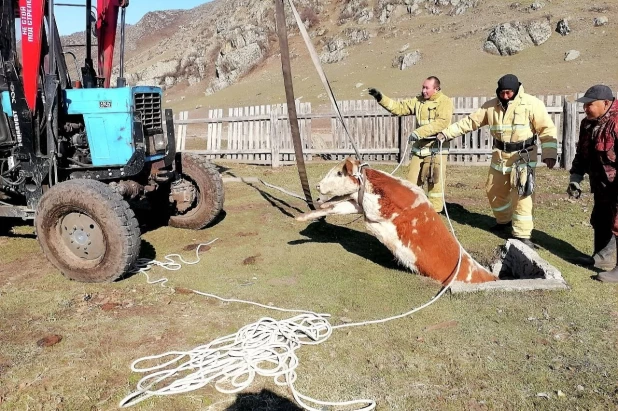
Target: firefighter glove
{"x":413,"y":137}
{"x":375,"y":93}
{"x":574,"y":190}
{"x":441,"y":137}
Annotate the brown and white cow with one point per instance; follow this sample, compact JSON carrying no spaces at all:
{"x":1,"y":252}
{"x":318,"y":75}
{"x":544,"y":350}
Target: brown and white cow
{"x":398,"y":213}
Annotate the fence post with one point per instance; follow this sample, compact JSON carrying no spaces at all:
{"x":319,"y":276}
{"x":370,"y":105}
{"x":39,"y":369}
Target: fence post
{"x":182,"y":131}
{"x":274,"y":136}
{"x":401,"y":139}
{"x":569,"y":137}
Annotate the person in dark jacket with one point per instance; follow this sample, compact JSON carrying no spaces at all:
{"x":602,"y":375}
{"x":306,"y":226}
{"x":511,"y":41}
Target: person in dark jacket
{"x":596,"y":156}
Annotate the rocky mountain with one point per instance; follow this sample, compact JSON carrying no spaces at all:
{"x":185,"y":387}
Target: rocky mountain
{"x":216,"y":45}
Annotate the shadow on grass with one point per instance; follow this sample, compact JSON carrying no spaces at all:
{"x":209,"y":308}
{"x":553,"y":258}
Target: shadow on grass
{"x":265,"y":400}
{"x":152,"y":219}
{"x":559,"y":247}
{"x":355,"y":242}
{"x":221,"y":169}
{"x":7,"y":224}
{"x":146,"y":251}
{"x":279,"y":204}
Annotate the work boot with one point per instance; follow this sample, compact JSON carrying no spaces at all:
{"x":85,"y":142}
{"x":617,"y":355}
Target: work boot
{"x":501,"y":228}
{"x":527,"y":242}
{"x":609,"y":276}
{"x":603,"y":259}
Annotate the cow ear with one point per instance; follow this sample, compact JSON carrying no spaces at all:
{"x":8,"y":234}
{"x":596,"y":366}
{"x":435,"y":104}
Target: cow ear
{"x":350,"y":166}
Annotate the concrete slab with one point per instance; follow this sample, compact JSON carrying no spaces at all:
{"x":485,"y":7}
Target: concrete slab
{"x":520,"y":269}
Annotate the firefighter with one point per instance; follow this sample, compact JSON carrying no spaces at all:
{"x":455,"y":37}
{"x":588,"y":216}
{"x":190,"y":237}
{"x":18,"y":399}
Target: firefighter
{"x":517,"y":121}
{"x":596,"y":156}
{"x":433,"y":110}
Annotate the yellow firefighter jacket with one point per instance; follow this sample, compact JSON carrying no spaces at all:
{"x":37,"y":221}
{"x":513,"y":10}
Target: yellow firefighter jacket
{"x":432,"y":116}
{"x":524,"y":117}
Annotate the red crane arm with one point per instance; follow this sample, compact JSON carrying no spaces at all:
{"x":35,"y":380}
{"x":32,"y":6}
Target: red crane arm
{"x":107,"y":22}
{"x":31,"y":21}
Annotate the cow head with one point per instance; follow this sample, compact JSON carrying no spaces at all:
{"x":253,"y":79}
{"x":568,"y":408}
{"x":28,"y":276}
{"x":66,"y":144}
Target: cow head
{"x":340,"y":182}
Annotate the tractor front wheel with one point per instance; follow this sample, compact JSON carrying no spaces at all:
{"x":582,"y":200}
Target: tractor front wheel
{"x":87,"y":231}
{"x":197,"y":197}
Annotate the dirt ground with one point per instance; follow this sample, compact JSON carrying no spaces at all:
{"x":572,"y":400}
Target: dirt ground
{"x":547,"y":350}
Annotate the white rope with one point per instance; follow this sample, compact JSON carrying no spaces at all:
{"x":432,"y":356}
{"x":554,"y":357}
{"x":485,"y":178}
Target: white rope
{"x":266,"y":347}
{"x":142,"y":265}
{"x":403,"y":158}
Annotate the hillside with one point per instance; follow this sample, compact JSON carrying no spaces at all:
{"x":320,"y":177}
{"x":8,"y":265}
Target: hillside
{"x":225,"y":53}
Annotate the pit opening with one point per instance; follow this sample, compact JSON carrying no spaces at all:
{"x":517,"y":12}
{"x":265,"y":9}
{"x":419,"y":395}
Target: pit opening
{"x":520,"y":268}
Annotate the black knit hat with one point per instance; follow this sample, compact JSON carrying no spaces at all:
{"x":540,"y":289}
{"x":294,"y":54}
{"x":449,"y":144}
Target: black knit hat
{"x":508,"y":82}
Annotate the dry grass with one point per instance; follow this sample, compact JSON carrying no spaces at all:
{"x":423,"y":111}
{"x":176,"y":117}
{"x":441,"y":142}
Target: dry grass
{"x":480,"y":351}
{"x":454,"y":54}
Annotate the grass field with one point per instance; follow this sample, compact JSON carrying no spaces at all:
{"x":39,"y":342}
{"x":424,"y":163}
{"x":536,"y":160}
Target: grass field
{"x":534,"y":350}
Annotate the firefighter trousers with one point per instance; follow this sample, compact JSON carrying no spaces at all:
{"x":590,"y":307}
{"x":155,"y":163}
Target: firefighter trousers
{"x":504,"y":200}
{"x":419,"y":173}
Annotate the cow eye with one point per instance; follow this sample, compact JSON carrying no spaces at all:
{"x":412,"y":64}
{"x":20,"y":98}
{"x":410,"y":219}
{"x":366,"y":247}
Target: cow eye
{"x":339,"y":174}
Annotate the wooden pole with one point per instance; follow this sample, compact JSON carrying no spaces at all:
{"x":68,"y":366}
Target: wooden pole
{"x":289,"y":94}
{"x":569,"y":133}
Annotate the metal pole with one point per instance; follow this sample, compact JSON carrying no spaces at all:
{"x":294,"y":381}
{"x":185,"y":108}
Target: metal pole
{"x":51,"y":39}
{"x":289,"y":94}
{"x":121,"y":81}
{"x":88,"y":33}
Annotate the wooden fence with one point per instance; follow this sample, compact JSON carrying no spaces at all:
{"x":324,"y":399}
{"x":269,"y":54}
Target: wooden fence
{"x":261,"y":134}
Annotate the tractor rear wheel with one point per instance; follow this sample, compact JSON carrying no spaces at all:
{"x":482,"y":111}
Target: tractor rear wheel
{"x":198,"y":194}
{"x":87,"y":231}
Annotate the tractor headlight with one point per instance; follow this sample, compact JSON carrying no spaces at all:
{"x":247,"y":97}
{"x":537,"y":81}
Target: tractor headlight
{"x":159,"y":142}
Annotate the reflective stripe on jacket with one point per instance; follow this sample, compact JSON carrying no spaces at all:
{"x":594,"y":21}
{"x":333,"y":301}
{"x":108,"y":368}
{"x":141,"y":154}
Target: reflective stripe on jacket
{"x":432,"y":116}
{"x":525,"y":116}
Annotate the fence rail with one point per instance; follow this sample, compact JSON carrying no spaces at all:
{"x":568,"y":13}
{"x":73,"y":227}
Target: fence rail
{"x":261,"y":134}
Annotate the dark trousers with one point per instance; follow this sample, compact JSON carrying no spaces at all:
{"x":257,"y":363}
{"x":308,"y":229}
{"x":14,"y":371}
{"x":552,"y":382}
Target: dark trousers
{"x":603,"y":218}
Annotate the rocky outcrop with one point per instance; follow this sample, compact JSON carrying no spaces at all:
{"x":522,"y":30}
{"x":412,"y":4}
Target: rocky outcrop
{"x":563,"y":28}
{"x":242,"y":50}
{"x":357,"y":11}
{"x":355,"y":35}
{"x":334,"y":51}
{"x":334,"y":48}
{"x":600,"y":21}
{"x":460,"y":7}
{"x":155,"y":74}
{"x":388,"y":10}
{"x":510,"y":38}
{"x":406,"y":60}
{"x":539,"y":31}
{"x":213,"y":45}
{"x":571,"y":55}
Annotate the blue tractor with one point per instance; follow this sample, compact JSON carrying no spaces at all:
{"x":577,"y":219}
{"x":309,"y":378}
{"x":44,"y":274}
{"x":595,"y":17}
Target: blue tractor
{"x":79,"y":156}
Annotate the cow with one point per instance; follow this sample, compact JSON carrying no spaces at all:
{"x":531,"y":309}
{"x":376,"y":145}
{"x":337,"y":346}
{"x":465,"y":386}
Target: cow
{"x":399,"y":214}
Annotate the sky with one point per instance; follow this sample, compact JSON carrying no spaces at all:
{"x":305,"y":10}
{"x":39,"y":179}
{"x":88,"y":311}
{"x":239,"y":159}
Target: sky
{"x":72,"y":19}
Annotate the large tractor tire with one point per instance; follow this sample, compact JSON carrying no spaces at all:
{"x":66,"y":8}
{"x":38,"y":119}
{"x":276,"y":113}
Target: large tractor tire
{"x":87,"y":231}
{"x":200,"y":175}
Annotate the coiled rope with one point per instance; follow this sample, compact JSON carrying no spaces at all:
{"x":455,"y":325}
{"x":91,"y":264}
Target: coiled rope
{"x":266,"y":347}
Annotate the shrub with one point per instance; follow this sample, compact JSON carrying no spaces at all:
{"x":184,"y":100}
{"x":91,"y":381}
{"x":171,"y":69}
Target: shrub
{"x":309,"y":17}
